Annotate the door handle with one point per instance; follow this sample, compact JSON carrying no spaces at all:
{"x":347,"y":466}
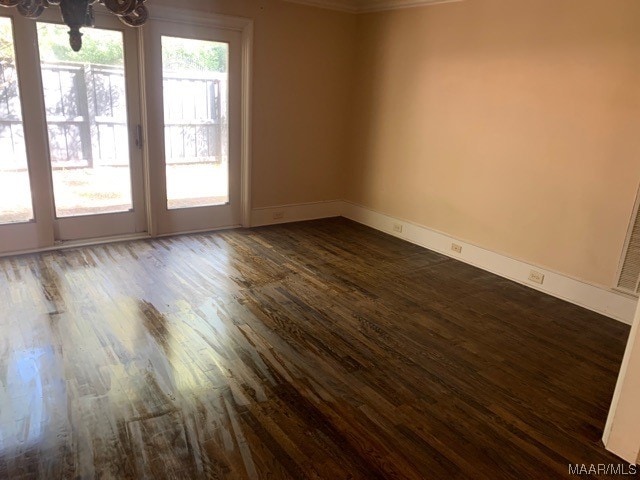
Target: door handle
{"x":139,"y":136}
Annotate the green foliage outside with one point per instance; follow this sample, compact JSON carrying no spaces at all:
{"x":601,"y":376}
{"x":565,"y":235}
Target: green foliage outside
{"x":6,"y":42}
{"x":6,"y":56}
{"x":180,"y":54}
{"x":104,"y":47}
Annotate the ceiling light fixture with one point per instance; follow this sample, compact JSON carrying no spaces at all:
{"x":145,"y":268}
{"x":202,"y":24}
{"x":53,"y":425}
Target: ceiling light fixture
{"x":79,"y":13}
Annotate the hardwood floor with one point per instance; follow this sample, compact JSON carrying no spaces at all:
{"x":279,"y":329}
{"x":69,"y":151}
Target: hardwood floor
{"x":318,"y":350}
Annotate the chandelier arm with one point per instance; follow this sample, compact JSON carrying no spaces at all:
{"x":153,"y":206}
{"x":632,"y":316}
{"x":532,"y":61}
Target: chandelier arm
{"x":31,"y":8}
{"x":120,"y":7}
{"x":79,"y":13}
{"x":136,"y":18}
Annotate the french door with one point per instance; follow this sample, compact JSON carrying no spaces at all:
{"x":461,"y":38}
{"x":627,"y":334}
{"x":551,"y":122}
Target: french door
{"x":90,"y":149}
{"x":92,"y":112}
{"x":194,"y":123}
{"x":68,"y":126}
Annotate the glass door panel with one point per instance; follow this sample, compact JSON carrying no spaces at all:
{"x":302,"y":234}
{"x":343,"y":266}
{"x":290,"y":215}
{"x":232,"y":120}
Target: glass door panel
{"x":193,"y":87}
{"x":16,"y":204}
{"x":87,"y":125}
{"x":195,"y":80}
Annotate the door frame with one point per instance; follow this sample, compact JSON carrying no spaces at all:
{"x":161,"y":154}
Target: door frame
{"x":38,"y":233}
{"x":241,"y":25}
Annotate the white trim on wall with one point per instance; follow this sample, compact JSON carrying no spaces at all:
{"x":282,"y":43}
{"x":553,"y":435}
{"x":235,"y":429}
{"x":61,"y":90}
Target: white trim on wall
{"x":593,"y":297}
{"x":367,"y":6}
{"x":600,"y":299}
{"x":608,"y":302}
{"x":338,"y":5}
{"x":246,"y":112}
{"x":295,"y":213}
{"x":199,"y":17}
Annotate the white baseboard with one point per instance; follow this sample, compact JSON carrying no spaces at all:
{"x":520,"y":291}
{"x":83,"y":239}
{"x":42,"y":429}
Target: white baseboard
{"x":295,"y":213}
{"x":599,"y":299}
{"x":593,"y":297}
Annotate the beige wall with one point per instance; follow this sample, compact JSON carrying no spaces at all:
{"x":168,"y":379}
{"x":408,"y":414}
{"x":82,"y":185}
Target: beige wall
{"x":511,"y":124}
{"x":302,"y":68}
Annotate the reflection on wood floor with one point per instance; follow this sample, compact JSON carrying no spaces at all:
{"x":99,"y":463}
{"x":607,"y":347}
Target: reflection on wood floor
{"x":312,"y":350}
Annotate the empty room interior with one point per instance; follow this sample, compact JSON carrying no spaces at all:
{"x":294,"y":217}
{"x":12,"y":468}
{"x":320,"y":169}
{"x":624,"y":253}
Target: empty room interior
{"x":324,"y":239}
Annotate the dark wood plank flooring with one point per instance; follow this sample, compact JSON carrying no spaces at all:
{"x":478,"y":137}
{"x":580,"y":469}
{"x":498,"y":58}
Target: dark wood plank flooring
{"x":321,"y":350}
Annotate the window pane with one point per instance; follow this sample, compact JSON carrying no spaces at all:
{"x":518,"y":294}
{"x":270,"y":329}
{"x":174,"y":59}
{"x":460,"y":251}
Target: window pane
{"x":15,"y":190}
{"x":86,"y":106}
{"x":196,"y":118}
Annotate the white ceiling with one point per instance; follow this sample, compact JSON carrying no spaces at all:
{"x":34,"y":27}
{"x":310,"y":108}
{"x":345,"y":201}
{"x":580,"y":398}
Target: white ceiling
{"x":362,"y":6}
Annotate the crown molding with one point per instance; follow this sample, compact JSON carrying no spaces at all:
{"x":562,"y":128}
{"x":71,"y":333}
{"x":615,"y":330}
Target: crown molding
{"x":367,"y":6}
{"x":339,"y":5}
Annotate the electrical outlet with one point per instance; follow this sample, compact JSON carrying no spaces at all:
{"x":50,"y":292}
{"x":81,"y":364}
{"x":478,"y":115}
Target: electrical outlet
{"x":397,"y":227}
{"x":278,"y":215}
{"x":456,"y":248}
{"x":536,"y":277}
